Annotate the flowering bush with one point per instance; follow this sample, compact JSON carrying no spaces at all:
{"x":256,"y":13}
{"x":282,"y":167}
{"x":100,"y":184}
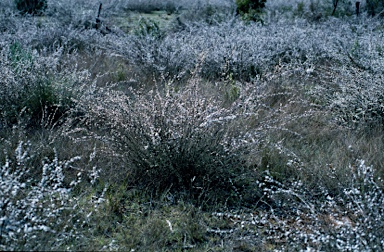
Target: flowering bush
{"x":184,"y":141}
{"x":30,"y":209}
{"x":353,"y":218}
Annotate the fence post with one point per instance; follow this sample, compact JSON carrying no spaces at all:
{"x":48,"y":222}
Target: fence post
{"x":98,"y":20}
{"x":357,"y":8}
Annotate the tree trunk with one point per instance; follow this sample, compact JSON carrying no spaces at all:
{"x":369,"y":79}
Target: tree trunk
{"x":335,"y":2}
{"x":371,"y":7}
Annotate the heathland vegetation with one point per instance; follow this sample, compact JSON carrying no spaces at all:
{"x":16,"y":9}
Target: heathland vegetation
{"x":191,"y":125}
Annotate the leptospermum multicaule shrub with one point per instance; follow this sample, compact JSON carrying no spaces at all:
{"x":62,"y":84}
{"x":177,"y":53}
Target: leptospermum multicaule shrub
{"x":34,"y":90}
{"x":185,"y":141}
{"x":298,"y":219}
{"x":172,"y":141}
{"x":38,"y":212}
{"x":360,"y":102}
{"x":248,"y":51}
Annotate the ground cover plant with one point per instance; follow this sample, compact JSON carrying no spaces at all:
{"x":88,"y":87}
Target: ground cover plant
{"x":180,"y":126}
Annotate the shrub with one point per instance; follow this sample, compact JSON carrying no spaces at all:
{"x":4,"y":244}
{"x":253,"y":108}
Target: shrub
{"x":34,"y":7}
{"x":33,"y":94}
{"x":176,"y":142}
{"x":33,"y":210}
{"x":351,"y":220}
{"x":358,"y":103}
{"x":149,"y":6}
{"x":148,"y":28}
{"x":375,"y":7}
{"x":180,"y":140}
{"x":250,"y":9}
{"x":43,"y":204}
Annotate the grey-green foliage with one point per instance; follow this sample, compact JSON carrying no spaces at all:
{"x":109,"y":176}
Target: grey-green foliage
{"x":32,"y":91}
{"x":250,"y":9}
{"x":34,"y":7}
{"x":148,"y":27}
{"x":375,"y":7}
{"x":175,"y":142}
{"x":344,"y":7}
{"x":28,"y":204}
{"x":17,"y":54}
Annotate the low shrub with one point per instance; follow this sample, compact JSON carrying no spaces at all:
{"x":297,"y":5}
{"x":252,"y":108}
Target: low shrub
{"x":31,"y":93}
{"x":358,"y":103}
{"x":175,"y":138}
{"x":34,"y":7}
{"x":34,"y":212}
{"x":250,"y":9}
{"x":148,"y":28}
{"x":149,"y":6}
{"x":176,"y":142}
{"x":352,"y":220}
{"x":375,"y":7}
{"x":251,"y":136}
